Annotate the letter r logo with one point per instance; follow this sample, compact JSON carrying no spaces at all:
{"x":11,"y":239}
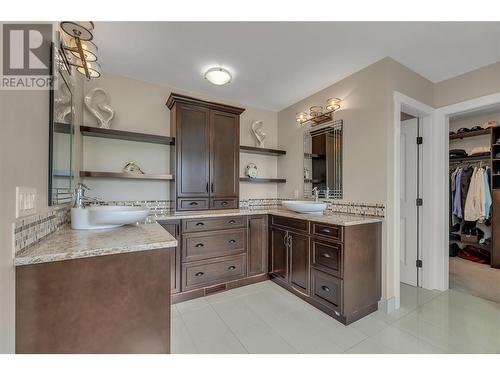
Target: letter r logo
{"x":26,"y":49}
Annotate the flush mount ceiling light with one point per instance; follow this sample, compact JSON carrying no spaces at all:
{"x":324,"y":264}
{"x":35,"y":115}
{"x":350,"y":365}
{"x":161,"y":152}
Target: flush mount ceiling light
{"x":80,"y":51}
{"x":316,"y":115}
{"x":218,"y":76}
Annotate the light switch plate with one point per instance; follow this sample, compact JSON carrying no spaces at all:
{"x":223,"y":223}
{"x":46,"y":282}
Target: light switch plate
{"x":26,"y":200}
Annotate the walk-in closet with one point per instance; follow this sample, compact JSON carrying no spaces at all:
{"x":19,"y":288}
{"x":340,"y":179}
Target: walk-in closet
{"x":474,"y":195}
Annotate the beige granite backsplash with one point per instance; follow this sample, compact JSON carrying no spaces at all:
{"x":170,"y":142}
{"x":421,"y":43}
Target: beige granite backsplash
{"x":31,"y":229}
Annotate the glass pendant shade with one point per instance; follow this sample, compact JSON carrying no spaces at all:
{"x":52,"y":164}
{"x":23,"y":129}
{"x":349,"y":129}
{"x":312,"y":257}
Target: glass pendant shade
{"x":80,"y":29}
{"x":93,"y":67}
{"x":89,"y":49}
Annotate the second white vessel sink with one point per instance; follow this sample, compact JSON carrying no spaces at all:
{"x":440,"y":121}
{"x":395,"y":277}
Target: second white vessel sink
{"x":306,"y":207}
{"x":105,"y":217}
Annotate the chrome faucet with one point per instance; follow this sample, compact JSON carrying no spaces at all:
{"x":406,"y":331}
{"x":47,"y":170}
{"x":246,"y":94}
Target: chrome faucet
{"x":315,"y":191}
{"x":79,"y":196}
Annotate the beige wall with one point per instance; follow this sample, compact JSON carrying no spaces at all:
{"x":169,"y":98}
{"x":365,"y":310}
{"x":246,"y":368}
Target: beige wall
{"x":474,"y":84}
{"x":367,"y":111}
{"x":23,"y":162}
{"x":140,"y":107}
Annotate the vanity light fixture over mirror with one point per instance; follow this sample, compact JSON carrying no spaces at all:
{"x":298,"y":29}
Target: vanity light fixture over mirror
{"x":79,"y":49}
{"x":316,"y":115}
{"x":218,"y":76}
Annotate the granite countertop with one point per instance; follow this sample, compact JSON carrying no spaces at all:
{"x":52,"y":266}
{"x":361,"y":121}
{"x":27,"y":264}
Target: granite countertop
{"x":329,"y":218}
{"x":67,"y":243}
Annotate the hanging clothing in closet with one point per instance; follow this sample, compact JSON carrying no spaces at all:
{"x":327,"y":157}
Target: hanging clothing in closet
{"x":478,"y":201}
{"x":471,"y":196}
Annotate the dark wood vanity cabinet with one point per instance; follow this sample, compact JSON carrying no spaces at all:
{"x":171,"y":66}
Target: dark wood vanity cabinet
{"x":174,"y":228}
{"x":279,"y":253}
{"x":335,"y":268}
{"x":206,"y":156}
{"x":257,"y":245}
{"x":290,"y":253}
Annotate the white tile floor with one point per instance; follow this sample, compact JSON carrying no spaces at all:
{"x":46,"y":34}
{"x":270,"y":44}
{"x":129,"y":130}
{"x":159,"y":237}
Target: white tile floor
{"x":265,"y":318}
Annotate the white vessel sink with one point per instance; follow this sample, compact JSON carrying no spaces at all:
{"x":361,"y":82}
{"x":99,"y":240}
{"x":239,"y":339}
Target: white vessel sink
{"x":105,"y":217}
{"x":306,"y":207}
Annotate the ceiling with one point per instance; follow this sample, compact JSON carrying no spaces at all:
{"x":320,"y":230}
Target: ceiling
{"x":276,"y":64}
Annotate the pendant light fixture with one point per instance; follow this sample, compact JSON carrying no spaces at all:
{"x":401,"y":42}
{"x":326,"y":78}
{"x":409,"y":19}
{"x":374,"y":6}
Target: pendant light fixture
{"x":80,"y":51}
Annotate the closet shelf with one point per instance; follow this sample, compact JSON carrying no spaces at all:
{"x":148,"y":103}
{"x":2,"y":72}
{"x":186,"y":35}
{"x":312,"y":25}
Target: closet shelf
{"x":470,"y":158}
{"x":474,"y":133}
{"x":262,"y":180}
{"x":92,"y":131}
{"x":147,"y":176}
{"x":261,"y":151}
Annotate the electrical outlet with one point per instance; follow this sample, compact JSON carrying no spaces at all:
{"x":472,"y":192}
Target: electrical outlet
{"x":25,"y":201}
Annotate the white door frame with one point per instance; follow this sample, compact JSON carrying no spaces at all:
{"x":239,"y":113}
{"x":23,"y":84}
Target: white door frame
{"x":441,"y":207}
{"x":403,"y":103}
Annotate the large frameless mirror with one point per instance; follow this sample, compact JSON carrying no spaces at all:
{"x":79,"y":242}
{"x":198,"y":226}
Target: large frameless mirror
{"x":61,"y":131}
{"x":323,"y":161}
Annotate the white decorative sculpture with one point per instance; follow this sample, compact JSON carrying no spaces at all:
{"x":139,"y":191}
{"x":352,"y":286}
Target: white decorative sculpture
{"x":258,"y":132}
{"x":100,"y":108}
{"x":62,"y":102}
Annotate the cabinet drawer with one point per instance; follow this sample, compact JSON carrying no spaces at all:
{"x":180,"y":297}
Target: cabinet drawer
{"x":201,"y":225}
{"x":192,"y":204}
{"x":327,"y":255}
{"x":331,"y":231}
{"x":208,"y":272}
{"x":295,"y":225}
{"x":221,"y":203}
{"x":197,"y":246}
{"x":327,"y":290}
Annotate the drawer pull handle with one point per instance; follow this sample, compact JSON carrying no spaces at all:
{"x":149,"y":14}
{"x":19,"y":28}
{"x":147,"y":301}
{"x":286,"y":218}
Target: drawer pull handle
{"x":223,"y":203}
{"x":232,"y":221}
{"x":326,"y":255}
{"x":199,"y":224}
{"x":232,"y":241}
{"x":199,"y":245}
{"x":231,"y":268}
{"x":193,"y":204}
{"x":199,"y":274}
{"x":325,"y":288}
{"x":325,"y":230}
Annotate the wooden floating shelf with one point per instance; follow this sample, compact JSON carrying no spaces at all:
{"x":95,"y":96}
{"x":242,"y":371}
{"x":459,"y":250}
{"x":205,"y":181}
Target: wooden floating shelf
{"x":147,"y":176}
{"x":261,"y":151}
{"x":92,"y":131}
{"x":262,"y":180}
{"x":474,"y":133}
{"x":62,"y":127}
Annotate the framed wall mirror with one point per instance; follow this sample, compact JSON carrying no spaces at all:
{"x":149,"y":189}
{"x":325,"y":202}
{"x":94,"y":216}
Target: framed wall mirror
{"x":61,"y":130}
{"x":323,"y":147}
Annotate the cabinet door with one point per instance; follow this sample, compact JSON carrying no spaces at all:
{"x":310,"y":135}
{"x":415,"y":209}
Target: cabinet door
{"x":299,"y":262}
{"x":173,"y":227}
{"x":279,"y":253}
{"x":193,"y":151}
{"x":257,"y":245}
{"x":224,"y":154}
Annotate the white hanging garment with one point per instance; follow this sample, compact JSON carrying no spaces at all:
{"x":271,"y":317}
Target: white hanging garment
{"x":472,"y":209}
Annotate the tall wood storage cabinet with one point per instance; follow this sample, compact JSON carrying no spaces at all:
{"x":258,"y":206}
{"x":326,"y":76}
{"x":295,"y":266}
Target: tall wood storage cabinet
{"x":206,"y":157}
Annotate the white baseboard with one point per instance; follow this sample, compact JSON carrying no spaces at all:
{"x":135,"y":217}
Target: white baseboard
{"x":389,"y":305}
